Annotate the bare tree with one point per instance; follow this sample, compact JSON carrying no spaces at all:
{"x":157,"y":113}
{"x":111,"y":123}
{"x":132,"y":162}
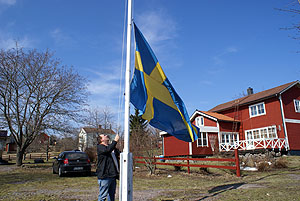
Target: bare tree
{"x":143,"y":140}
{"x":107,"y":118}
{"x":293,"y":8}
{"x":37,"y":94}
{"x":67,"y":142}
{"x":93,"y":117}
{"x":96,"y":117}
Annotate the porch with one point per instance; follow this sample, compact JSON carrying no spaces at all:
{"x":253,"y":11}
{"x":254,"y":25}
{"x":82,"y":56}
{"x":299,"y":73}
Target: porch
{"x":267,"y":143}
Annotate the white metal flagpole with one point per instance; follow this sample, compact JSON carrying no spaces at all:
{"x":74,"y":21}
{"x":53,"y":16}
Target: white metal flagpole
{"x":125,"y":190}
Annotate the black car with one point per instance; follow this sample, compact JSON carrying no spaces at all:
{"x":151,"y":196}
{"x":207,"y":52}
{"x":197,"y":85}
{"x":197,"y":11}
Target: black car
{"x":71,"y":162}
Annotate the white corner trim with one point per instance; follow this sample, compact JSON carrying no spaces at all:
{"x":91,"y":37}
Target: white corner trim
{"x":161,"y":133}
{"x":209,"y":129}
{"x":284,"y":90}
{"x":295,"y":121}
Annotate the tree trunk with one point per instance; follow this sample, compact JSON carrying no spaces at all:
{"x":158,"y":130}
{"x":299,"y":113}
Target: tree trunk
{"x":19,"y":159}
{"x":47,"y":152}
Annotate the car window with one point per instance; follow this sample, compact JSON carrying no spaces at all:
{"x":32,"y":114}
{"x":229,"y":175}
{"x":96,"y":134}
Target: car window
{"x":61,"y":155}
{"x":77,"y":156}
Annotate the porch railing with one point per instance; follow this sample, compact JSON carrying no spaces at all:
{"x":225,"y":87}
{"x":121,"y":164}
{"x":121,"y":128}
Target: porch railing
{"x":276,"y":143}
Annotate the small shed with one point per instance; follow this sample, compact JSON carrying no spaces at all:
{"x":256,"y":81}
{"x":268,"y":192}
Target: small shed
{"x":11,"y":145}
{"x":3,"y":136}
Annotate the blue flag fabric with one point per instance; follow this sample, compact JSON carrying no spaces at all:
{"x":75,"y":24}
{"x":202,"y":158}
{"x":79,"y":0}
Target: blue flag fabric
{"x":152,"y":93}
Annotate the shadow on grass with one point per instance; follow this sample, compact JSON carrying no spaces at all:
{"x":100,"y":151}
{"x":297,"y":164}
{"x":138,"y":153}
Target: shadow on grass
{"x":226,"y":187}
{"x":4,"y":162}
{"x":220,"y":189}
{"x":93,"y":174}
{"x":223,"y":188}
{"x":8,"y":163}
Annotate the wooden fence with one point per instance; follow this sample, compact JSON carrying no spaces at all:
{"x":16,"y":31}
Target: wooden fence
{"x":30,"y":156}
{"x":188,"y":164}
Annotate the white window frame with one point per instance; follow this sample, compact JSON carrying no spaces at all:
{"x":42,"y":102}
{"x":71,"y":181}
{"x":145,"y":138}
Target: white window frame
{"x":261,"y":133}
{"x":202,"y":141}
{"x":297,"y":105}
{"x":256,"y":108}
{"x":200,"y":121}
{"x":229,"y":137}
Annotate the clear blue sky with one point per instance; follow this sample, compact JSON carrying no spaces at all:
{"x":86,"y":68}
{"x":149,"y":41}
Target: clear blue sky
{"x":211,"y":51}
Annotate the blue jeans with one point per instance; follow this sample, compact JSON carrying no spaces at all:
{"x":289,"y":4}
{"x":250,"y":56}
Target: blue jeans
{"x":107,"y":189}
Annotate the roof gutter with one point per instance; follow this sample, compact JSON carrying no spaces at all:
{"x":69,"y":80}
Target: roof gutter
{"x":283,"y":121}
{"x":282,"y":111}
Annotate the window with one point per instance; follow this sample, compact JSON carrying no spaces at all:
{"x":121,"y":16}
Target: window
{"x":202,"y":140}
{"x":257,"y":110}
{"x":261,"y":133}
{"x":199,"y":121}
{"x":256,"y":134}
{"x":249,"y":135}
{"x":272,"y":132}
{"x":264,"y":133}
{"x":297,"y":105}
{"x":77,"y":155}
{"x":229,"y":138}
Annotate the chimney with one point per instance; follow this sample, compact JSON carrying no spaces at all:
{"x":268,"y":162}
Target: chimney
{"x":249,"y":91}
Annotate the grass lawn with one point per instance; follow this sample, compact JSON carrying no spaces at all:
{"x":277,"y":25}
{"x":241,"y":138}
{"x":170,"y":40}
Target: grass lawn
{"x":36,"y":182}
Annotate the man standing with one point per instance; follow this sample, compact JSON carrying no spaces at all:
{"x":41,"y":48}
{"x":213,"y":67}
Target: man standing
{"x":107,"y":167}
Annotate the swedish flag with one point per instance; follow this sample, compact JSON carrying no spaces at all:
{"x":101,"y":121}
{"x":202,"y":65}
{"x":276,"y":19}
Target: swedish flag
{"x":152,"y":93}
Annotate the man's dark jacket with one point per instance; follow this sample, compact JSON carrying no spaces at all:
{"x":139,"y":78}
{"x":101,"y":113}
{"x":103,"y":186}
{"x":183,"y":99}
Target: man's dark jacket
{"x":105,"y":164}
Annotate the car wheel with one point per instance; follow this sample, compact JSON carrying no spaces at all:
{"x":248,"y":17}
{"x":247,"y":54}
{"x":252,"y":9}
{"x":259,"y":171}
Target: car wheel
{"x":60,"y":174}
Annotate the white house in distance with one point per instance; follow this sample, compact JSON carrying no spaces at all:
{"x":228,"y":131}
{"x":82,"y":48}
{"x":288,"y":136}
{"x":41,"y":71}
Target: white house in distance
{"x":88,"y":136}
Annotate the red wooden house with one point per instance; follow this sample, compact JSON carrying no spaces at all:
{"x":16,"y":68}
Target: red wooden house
{"x":266,"y":120}
{"x":210,"y":124}
{"x":39,"y":143}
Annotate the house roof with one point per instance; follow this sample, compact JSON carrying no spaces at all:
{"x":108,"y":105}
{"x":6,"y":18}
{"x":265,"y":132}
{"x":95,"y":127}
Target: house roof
{"x":98,"y":130}
{"x":213,"y":115}
{"x":255,"y":97}
{"x":218,"y":116}
{"x":44,"y":135}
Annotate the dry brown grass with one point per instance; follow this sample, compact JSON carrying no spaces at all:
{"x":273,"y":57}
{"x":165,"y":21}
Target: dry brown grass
{"x":263,"y":166}
{"x":36,"y":182}
{"x":264,"y":162}
{"x":281,"y":163}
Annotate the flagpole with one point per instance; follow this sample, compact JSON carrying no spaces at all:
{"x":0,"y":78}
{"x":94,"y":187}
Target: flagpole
{"x":125,"y":190}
